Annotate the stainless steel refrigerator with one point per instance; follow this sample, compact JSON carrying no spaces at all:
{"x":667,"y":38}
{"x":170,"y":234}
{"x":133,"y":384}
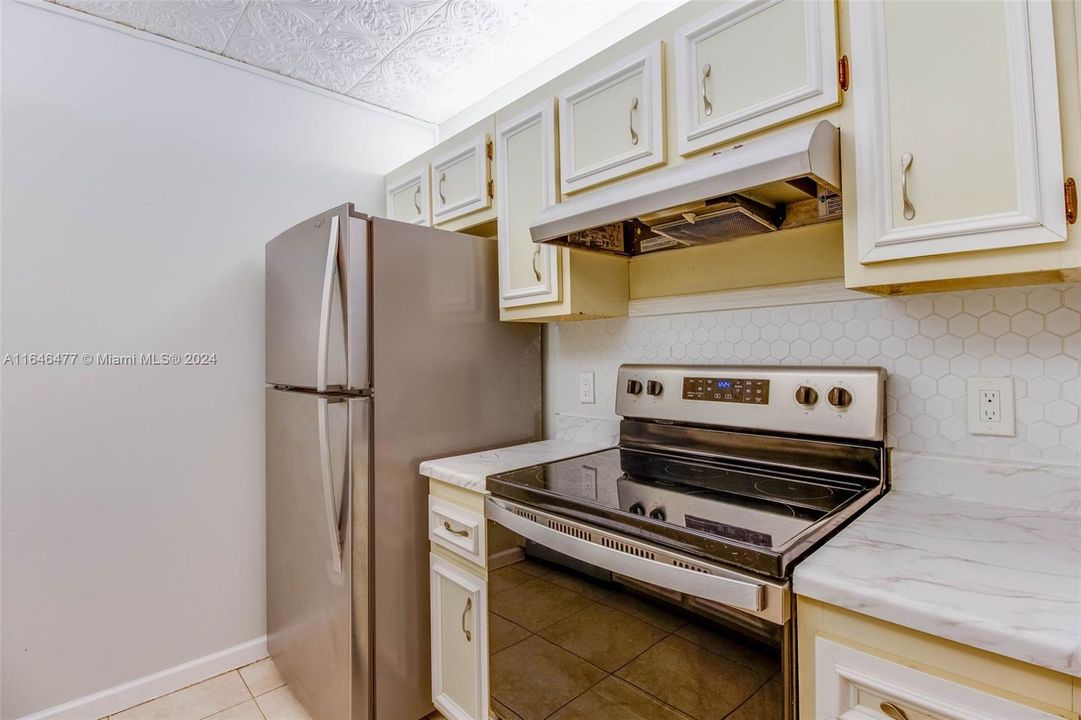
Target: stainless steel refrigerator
{"x":383,"y":348}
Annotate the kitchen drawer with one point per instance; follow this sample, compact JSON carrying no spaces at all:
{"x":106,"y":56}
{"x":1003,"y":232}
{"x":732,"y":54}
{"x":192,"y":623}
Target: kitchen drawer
{"x":612,"y":123}
{"x":461,"y":180}
{"x":459,"y":530}
{"x":408,"y":197}
{"x":753,"y":64}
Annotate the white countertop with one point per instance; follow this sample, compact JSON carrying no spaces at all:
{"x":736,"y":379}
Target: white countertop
{"x":470,"y":471}
{"x":1002,"y":579}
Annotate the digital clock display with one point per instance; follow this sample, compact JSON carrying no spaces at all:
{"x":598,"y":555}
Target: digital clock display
{"x":736,"y":390}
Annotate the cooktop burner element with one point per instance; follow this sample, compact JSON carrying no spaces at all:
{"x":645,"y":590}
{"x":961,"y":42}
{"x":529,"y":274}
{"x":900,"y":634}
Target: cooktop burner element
{"x":732,"y":482}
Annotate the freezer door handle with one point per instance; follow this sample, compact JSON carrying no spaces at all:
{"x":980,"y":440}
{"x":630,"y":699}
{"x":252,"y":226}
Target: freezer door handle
{"x":326,"y":466}
{"x":329,"y":272}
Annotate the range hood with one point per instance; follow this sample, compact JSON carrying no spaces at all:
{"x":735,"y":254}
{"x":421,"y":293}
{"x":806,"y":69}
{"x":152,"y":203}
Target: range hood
{"x":787,"y":179}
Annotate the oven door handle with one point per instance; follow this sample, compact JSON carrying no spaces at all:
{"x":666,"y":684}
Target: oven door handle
{"x":735,"y":591}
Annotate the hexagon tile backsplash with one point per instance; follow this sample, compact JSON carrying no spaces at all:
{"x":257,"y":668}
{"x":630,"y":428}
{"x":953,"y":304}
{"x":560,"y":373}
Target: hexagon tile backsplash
{"x":929,"y":345}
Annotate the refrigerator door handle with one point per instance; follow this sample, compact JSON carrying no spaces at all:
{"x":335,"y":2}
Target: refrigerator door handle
{"x":325,"y":306}
{"x":333,"y":528}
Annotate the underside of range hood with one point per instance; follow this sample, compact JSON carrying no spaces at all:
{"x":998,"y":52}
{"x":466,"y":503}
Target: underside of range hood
{"x":785,"y":180}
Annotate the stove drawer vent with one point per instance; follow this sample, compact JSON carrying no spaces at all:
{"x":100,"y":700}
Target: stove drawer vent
{"x":627,"y":548}
{"x":580,"y":533}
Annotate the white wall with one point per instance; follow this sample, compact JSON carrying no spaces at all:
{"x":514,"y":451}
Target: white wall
{"x":139,"y":186}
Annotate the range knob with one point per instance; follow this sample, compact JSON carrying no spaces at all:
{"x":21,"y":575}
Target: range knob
{"x":654,"y":387}
{"x":657,"y":513}
{"x":638,"y":509}
{"x":839,"y":397}
{"x":634,"y":387}
{"x":806,"y":395}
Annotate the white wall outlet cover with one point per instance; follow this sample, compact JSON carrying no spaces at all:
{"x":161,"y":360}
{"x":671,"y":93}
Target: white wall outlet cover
{"x":990,"y":406}
{"x":586,"y":388}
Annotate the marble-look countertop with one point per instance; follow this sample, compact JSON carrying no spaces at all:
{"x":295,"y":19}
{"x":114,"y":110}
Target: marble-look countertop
{"x":470,"y":471}
{"x":1002,"y":579}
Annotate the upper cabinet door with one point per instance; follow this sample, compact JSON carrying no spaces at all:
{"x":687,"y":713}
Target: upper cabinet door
{"x":525,"y":161}
{"x":752,"y":64}
{"x":408,"y":197}
{"x":612,"y":123}
{"x":461,"y":180}
{"x":956,"y":118}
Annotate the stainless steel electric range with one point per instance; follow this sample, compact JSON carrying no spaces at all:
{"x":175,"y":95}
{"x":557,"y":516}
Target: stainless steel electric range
{"x":723,"y":480}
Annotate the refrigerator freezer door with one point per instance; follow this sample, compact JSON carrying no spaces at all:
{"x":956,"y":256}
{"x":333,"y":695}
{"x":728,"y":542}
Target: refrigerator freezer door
{"x":309,"y":586}
{"x":449,"y":378}
{"x":305,"y":314}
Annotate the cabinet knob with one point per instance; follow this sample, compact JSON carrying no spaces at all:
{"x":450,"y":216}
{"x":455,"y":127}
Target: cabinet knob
{"x":806,"y":395}
{"x":839,"y":397}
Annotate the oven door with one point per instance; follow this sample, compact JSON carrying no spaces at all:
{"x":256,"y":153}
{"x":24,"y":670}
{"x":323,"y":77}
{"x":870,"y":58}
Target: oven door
{"x":710,"y":614}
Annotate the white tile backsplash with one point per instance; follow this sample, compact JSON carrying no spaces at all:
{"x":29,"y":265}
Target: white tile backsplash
{"x":929,"y":344}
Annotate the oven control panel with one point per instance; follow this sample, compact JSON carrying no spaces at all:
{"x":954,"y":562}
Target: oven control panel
{"x":843,"y":402}
{"x":738,"y":390}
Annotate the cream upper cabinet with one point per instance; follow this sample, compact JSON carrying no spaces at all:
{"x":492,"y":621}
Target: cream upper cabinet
{"x":751,"y":64}
{"x":956,"y":126}
{"x":612,"y":123}
{"x":461,"y":180}
{"x":408,"y":196}
{"x":525,"y":160}
{"x":459,"y":641}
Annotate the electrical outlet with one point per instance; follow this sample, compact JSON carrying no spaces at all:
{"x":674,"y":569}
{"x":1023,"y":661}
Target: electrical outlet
{"x":990,"y":406}
{"x":586,"y":389}
{"x":589,"y":482}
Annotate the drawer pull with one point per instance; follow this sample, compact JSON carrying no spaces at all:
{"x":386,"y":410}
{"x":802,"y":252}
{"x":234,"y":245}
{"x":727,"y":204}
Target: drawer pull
{"x":634,"y":133}
{"x":448,"y":528}
{"x":416,"y":199}
{"x":892,"y":711}
{"x":442,"y":179}
{"x":468,"y":607}
{"x":909,"y":209}
{"x":706,"y":104}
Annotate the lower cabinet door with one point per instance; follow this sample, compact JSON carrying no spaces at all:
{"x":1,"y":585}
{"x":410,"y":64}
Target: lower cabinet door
{"x":459,"y":641}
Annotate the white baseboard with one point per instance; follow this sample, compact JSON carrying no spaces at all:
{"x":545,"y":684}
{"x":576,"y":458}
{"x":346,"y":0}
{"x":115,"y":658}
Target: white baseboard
{"x":148,"y":687}
{"x":506,"y":557}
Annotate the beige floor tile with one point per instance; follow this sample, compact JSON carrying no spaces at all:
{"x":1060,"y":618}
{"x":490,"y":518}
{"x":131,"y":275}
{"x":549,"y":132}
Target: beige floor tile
{"x":506,"y":578}
{"x":701,"y":683}
{"x":644,"y":610}
{"x":766,"y":704}
{"x":532,"y":567}
{"x":604,"y":636}
{"x":613,"y":699}
{"x":535,"y":678}
{"x":192,"y":703}
{"x":734,"y":647}
{"x":537,"y":604}
{"x":261,"y":677}
{"x":280,"y":704}
{"x":578,"y":583}
{"x":244,"y":711}
{"x":499,"y":711}
{"x":502,"y":633}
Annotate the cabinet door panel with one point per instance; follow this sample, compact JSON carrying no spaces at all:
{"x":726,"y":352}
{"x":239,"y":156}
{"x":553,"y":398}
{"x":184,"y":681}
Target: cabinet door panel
{"x":459,"y":642}
{"x":526,"y":175}
{"x":408,"y":199}
{"x":612,"y":123}
{"x":958,"y":145}
{"x":460,"y":181}
{"x":752,"y":64}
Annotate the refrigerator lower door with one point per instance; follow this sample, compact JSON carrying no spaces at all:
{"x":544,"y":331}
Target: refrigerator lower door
{"x":313,"y":553}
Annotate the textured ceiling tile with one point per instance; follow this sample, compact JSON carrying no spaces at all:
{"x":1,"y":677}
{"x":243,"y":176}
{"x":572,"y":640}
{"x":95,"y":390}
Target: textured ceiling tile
{"x":204,"y":24}
{"x":277,"y":35}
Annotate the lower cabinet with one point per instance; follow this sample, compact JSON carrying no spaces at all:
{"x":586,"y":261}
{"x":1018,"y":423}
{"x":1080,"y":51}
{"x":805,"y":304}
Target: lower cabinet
{"x":459,"y":640}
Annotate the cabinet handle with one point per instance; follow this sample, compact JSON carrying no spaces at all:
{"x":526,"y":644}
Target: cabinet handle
{"x":706,"y":71}
{"x":634,"y":134}
{"x":892,"y":711}
{"x":468,"y":607}
{"x":416,"y":199}
{"x":909,"y":209}
{"x":448,"y":528}
{"x":536,"y":254}
{"x":442,"y":179}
